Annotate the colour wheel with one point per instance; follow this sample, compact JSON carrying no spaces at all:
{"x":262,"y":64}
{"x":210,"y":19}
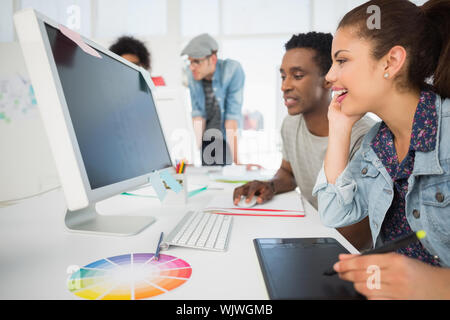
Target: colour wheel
{"x":129,"y":277}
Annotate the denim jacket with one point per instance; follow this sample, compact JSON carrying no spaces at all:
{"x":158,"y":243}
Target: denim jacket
{"x":228,"y":85}
{"x":365,"y":188}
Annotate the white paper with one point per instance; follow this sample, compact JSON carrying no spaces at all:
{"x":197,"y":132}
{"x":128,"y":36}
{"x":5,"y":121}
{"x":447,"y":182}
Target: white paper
{"x":280,"y":205}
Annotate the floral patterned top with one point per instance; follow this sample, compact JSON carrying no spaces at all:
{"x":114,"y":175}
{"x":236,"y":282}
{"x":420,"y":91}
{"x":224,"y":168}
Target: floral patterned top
{"x":423,"y":138}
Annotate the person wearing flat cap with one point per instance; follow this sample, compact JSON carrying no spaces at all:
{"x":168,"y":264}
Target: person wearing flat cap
{"x":216,"y":88}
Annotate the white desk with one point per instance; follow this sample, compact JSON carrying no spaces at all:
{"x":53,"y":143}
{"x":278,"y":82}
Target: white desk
{"x":36,"y":250}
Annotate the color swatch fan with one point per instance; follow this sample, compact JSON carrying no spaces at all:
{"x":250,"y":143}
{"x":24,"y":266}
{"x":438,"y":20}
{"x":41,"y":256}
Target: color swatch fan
{"x":129,"y":277}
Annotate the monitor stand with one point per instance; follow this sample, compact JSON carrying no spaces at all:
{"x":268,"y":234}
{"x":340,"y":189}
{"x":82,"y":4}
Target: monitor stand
{"x":88,"y":220}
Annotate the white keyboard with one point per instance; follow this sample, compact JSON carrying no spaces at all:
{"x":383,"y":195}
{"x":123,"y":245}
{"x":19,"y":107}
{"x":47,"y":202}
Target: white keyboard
{"x":201,"y":230}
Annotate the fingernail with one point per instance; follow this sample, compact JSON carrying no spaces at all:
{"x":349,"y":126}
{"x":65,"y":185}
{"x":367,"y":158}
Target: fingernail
{"x":336,"y":267}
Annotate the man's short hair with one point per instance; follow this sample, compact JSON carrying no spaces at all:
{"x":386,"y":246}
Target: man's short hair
{"x":131,"y":45}
{"x":318,"y":41}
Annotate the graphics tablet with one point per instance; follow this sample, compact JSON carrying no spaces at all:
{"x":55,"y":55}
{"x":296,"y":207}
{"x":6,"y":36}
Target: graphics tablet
{"x":293,"y":268}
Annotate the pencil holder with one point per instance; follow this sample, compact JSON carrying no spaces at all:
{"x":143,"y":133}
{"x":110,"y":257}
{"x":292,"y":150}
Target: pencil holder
{"x":180,"y":198}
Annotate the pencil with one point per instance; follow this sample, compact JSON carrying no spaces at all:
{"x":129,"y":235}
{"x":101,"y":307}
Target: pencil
{"x":389,"y":247}
{"x":158,"y":248}
{"x":181,"y":167}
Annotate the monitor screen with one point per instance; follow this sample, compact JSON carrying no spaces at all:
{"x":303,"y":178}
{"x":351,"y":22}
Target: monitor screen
{"x":112,"y":112}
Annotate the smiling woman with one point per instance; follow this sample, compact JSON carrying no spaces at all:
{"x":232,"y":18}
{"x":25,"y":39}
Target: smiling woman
{"x":351,"y":77}
{"x":385,"y":71}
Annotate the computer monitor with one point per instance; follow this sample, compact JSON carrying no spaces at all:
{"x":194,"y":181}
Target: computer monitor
{"x":100,"y":118}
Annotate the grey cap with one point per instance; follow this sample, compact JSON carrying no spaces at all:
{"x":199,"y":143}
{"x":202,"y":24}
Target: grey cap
{"x":201,"y":46}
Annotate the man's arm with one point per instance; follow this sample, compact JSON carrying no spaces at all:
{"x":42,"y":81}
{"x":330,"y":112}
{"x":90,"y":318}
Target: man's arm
{"x":233,"y":109}
{"x":284,"y":179}
{"x":235,"y":95}
{"x":231,"y":128}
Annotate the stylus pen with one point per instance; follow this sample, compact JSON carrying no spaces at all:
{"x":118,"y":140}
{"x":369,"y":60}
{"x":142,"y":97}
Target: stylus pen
{"x":389,"y":247}
{"x":158,"y":248}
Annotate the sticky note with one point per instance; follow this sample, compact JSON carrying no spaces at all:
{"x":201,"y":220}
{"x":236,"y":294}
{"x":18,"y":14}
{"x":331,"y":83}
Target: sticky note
{"x":171,"y":182}
{"x":157,"y":184}
{"x":75,"y":37}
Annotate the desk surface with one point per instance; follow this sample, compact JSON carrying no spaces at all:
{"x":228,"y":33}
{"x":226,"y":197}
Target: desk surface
{"x":36,"y":251}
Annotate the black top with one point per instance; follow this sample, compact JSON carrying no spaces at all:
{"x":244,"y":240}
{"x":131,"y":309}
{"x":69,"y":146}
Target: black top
{"x":213,"y":117}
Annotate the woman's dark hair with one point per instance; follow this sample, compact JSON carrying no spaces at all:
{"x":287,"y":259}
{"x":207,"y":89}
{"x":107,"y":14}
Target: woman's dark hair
{"x":319,"y":42}
{"x":131,"y":45}
{"x":424,"y":32}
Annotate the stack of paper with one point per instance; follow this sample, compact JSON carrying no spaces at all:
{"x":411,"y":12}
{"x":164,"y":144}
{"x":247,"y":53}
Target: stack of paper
{"x":283,"y":205}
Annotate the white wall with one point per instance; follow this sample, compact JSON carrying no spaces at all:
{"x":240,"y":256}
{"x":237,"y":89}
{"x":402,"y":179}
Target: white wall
{"x":26,"y":163}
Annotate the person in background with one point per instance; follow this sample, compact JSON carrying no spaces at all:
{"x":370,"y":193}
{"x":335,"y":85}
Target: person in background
{"x":132,"y":50}
{"x":305,"y":129}
{"x":400,"y":177}
{"x":216,"y":87}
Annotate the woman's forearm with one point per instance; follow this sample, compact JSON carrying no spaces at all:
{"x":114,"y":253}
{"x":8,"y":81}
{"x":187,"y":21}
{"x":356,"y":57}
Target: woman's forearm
{"x":336,"y":157}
